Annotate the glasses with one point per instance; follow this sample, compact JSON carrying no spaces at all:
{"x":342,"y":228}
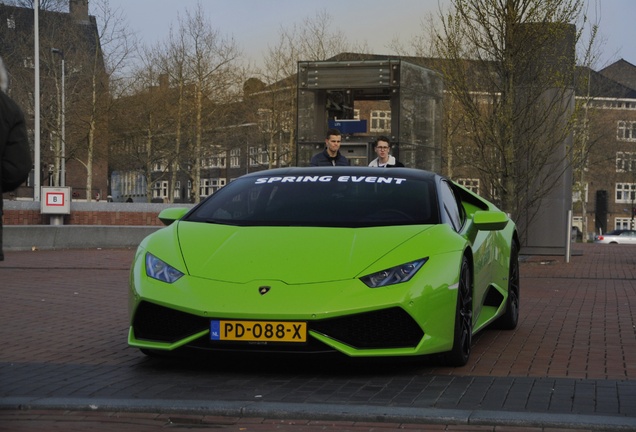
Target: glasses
{"x":382,"y":148}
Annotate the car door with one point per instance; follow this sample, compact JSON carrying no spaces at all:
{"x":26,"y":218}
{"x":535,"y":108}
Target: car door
{"x":628,"y":237}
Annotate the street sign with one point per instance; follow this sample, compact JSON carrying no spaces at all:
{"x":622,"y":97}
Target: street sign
{"x":55,"y":200}
{"x":349,"y":126}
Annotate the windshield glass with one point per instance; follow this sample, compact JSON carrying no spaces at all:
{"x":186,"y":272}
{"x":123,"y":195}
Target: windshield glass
{"x":322,"y":201}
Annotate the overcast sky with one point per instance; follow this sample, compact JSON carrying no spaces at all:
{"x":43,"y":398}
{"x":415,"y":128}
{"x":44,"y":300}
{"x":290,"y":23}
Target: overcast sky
{"x":255,"y":24}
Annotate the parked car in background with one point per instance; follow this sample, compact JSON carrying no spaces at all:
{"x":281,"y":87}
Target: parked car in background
{"x":619,"y":236}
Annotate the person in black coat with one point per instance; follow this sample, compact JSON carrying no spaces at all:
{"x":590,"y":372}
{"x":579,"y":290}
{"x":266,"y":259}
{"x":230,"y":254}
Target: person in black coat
{"x":331,"y":155}
{"x":15,"y":153}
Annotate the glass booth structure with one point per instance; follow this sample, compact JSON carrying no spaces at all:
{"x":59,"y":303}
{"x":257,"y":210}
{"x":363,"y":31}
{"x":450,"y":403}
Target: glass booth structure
{"x":368,"y":98}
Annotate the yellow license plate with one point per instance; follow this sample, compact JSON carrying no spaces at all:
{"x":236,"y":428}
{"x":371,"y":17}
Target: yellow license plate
{"x":258,"y":331}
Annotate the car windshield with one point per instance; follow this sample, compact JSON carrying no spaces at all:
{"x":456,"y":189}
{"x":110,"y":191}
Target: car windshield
{"x":321,"y":201}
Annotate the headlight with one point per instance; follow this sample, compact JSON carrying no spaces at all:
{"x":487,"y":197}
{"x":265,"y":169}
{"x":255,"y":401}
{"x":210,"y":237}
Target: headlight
{"x":394,"y":275}
{"x":157,"y":269}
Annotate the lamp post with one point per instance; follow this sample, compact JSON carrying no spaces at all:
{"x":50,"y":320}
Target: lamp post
{"x":36,"y":102}
{"x":63,"y":131}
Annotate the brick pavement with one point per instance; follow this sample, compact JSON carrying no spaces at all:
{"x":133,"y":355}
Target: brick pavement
{"x":571,"y":361}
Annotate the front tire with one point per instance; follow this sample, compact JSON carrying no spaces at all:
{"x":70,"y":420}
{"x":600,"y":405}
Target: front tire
{"x":462,"y":336}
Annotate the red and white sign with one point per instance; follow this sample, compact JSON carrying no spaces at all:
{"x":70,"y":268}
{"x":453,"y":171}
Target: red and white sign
{"x":55,"y":200}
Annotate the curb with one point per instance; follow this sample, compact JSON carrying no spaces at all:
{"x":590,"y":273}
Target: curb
{"x":358,"y":413}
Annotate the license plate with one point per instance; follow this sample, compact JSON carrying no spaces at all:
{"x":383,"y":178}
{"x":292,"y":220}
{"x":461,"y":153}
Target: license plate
{"x":258,"y":331}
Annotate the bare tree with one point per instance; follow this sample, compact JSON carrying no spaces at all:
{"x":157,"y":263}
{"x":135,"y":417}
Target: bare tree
{"x":312,"y":40}
{"x":150,"y":117}
{"x":183,"y":88}
{"x":48,"y":5}
{"x":512,"y":105}
{"x":172,"y":60}
{"x":102,"y":60}
{"x":209,"y":63}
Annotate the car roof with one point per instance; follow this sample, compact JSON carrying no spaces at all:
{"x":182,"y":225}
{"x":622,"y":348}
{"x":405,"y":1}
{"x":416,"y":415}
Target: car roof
{"x":620,"y":231}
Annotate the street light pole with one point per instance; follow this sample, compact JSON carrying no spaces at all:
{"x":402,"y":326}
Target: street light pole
{"x":63,"y":158}
{"x":36,"y":112}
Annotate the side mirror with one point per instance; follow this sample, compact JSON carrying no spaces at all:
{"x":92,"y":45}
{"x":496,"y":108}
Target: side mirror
{"x":490,"y":220}
{"x":169,"y":215}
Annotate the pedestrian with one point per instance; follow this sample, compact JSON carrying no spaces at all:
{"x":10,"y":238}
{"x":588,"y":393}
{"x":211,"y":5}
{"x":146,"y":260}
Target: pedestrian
{"x":382,"y":147}
{"x":331,"y":155}
{"x":15,"y":152}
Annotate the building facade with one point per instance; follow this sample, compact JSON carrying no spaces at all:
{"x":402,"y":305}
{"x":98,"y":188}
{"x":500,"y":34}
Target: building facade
{"x":72,"y":122}
{"x":605,"y":184}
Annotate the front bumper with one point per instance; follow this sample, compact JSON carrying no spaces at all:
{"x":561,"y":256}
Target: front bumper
{"x":159,"y":327}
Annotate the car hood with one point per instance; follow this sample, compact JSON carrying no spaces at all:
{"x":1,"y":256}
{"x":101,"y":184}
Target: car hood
{"x":293,"y":255}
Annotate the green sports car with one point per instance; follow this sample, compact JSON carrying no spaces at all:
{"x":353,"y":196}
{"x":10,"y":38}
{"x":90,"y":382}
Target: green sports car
{"x":367,"y":262}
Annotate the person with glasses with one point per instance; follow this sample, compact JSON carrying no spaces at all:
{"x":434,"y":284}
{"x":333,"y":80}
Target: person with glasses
{"x":382,"y":148}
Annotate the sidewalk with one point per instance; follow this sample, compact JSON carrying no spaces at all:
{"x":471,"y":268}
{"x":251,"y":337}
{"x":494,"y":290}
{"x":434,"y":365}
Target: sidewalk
{"x":65,"y":365}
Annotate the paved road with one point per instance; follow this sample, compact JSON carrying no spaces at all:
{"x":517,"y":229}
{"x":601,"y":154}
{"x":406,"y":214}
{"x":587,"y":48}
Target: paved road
{"x":65,"y":364}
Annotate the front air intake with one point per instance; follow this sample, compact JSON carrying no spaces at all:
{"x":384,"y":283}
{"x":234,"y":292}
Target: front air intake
{"x":162,"y":324}
{"x":387,"y":328}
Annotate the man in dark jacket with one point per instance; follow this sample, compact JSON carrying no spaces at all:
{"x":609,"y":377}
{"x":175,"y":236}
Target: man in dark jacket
{"x":15,"y":153}
{"x":331,"y":155}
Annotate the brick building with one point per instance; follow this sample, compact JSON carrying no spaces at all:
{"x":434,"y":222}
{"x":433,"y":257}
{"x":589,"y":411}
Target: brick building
{"x":70,"y":39}
{"x":606,"y":183}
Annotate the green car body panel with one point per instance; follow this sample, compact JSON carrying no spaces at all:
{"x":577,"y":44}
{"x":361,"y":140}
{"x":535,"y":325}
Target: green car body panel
{"x":313,"y":274}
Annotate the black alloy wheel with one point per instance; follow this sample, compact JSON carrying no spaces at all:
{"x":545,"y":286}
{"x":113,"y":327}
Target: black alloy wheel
{"x":459,"y":354}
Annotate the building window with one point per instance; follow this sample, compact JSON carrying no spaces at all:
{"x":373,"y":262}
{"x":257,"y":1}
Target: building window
{"x":209,"y":186}
{"x":612,"y":104}
{"x":626,"y":193}
{"x":216,"y":160}
{"x":159,"y":166}
{"x":263,"y":157}
{"x":265,"y":119}
{"x":623,"y":223}
{"x":235,"y":158}
{"x":28,"y":62}
{"x":579,"y":192}
{"x":625,"y":162}
{"x":133,"y":184}
{"x":258,"y":156}
{"x":177,"y":189}
{"x":287,"y":121}
{"x":470,"y":184}
{"x":160,"y":189}
{"x":626,"y":131}
{"x":253,"y":156}
{"x":380,"y":121}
